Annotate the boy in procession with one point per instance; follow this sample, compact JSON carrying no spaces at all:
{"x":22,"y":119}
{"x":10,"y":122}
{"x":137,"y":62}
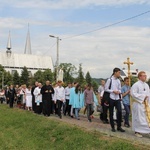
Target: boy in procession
{"x":140,"y":93}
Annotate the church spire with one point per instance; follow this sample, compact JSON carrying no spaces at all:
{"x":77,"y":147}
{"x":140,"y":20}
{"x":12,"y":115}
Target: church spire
{"x":9,"y":42}
{"x":28,"y":43}
{"x":8,"y":52}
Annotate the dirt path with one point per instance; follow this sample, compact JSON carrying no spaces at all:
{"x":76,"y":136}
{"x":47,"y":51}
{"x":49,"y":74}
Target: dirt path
{"x":97,"y":125}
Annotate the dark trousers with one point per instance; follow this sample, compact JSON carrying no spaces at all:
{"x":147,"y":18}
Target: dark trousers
{"x":126,"y":117}
{"x":2,"y":99}
{"x":11,"y":102}
{"x":59,"y":106}
{"x":47,"y":107}
{"x":105,"y":111}
{"x":55,"y":108}
{"x":52,"y":107}
{"x":90,"y":110}
{"x":117,"y":105}
{"x":38,"y":108}
{"x":33,"y":104}
{"x":68,"y":107}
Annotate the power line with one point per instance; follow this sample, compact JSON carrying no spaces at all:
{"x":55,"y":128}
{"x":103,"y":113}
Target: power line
{"x":51,"y":47}
{"x":108,"y":25}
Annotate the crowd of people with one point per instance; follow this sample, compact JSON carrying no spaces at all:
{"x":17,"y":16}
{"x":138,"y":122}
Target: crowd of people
{"x":112,"y":98}
{"x":52,"y":99}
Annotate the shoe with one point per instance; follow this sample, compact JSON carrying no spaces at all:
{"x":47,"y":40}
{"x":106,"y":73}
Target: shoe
{"x":138,"y":135}
{"x":60,"y":116}
{"x":105,"y":122}
{"x":120,"y":129}
{"x":90,"y":120}
{"x":71,"y":116}
{"x":78,"y":119}
{"x":127,"y":125}
{"x":113,"y":130}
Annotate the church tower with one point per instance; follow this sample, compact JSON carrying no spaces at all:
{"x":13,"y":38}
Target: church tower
{"x":8,"y":52}
{"x":28,"y":43}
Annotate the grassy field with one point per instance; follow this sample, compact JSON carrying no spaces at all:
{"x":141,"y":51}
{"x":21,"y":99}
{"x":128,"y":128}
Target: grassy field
{"x":23,"y":130}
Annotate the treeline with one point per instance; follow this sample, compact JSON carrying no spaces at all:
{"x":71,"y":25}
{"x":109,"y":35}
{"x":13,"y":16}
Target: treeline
{"x":71,"y":74}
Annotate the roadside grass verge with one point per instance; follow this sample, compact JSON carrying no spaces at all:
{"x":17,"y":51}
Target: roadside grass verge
{"x":24,"y":130}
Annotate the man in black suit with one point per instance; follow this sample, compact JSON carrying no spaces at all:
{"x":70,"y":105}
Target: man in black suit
{"x":11,"y":95}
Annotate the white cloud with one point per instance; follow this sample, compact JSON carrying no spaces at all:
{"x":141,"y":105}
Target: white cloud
{"x":99,"y":52}
{"x":104,"y":50}
{"x":73,"y":4}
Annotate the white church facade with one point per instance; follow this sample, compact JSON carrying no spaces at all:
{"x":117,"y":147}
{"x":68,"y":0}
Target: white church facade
{"x":15,"y":62}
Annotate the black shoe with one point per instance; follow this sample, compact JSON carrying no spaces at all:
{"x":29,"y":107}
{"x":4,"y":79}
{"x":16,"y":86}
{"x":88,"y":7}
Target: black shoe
{"x":120,"y":129}
{"x":113,"y":130}
{"x":105,"y":122}
{"x":60,"y":116}
{"x":71,"y":116}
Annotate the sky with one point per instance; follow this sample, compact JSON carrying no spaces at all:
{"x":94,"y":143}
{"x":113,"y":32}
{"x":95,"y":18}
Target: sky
{"x":99,"y":51}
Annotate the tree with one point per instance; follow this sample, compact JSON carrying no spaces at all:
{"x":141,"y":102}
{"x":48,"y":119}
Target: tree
{"x":24,"y":79}
{"x":48,"y":75}
{"x":8,"y":78}
{"x":2,"y":75}
{"x":38,"y":76}
{"x":133,"y":80}
{"x":88,"y":78}
{"x":69,"y":71}
{"x":16,"y":78}
{"x":80,"y":77}
{"x":94,"y":85}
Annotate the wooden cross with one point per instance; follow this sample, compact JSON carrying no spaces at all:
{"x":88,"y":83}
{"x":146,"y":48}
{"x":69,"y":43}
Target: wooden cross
{"x":128,"y":64}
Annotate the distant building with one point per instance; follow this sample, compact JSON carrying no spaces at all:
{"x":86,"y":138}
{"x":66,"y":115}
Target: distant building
{"x":15,"y":62}
{"x":124,"y":73}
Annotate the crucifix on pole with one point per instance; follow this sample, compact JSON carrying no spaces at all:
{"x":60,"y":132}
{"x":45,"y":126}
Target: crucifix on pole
{"x":128,"y":64}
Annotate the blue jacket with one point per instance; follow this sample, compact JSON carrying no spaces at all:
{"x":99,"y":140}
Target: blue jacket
{"x":78,"y":100}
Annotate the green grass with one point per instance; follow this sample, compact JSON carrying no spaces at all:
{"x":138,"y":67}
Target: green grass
{"x":23,"y":130}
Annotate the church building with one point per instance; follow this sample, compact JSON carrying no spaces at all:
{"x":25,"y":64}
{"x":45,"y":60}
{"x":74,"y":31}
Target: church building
{"x":15,"y":62}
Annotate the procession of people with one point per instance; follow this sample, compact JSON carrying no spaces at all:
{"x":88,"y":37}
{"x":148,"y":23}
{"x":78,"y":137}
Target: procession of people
{"x":112,"y":97}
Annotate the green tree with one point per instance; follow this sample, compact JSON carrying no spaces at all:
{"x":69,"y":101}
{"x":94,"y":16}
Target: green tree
{"x":16,"y":78}
{"x":2,"y":74}
{"x":133,"y":80}
{"x":24,"y":79}
{"x":88,"y":78}
{"x":38,"y":76}
{"x":94,"y":85}
{"x":48,"y":75}
{"x":8,"y":78}
{"x":69,"y":71}
{"x":80,"y":77}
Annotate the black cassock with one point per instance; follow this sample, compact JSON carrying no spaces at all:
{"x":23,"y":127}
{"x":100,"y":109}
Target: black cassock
{"x":11,"y":96}
{"x":47,"y":92}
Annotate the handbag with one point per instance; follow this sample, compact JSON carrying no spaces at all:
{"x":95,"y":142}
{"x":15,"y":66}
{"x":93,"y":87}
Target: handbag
{"x":106,"y":95}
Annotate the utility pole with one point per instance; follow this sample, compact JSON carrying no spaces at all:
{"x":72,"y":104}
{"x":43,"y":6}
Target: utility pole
{"x":57,"y":59}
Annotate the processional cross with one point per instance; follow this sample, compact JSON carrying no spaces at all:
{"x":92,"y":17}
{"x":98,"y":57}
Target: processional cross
{"x":128,"y":64}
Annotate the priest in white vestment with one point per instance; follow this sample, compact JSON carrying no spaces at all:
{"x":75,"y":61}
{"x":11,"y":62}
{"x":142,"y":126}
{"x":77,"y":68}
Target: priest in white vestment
{"x":140,"y":93}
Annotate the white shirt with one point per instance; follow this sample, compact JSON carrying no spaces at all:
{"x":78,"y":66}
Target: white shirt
{"x":59,"y":94}
{"x":100,"y":89}
{"x":67,"y":92}
{"x":37,"y":94}
{"x":115,"y":86}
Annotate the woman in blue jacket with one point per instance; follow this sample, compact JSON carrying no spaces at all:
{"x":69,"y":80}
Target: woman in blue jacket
{"x":78,"y":101}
